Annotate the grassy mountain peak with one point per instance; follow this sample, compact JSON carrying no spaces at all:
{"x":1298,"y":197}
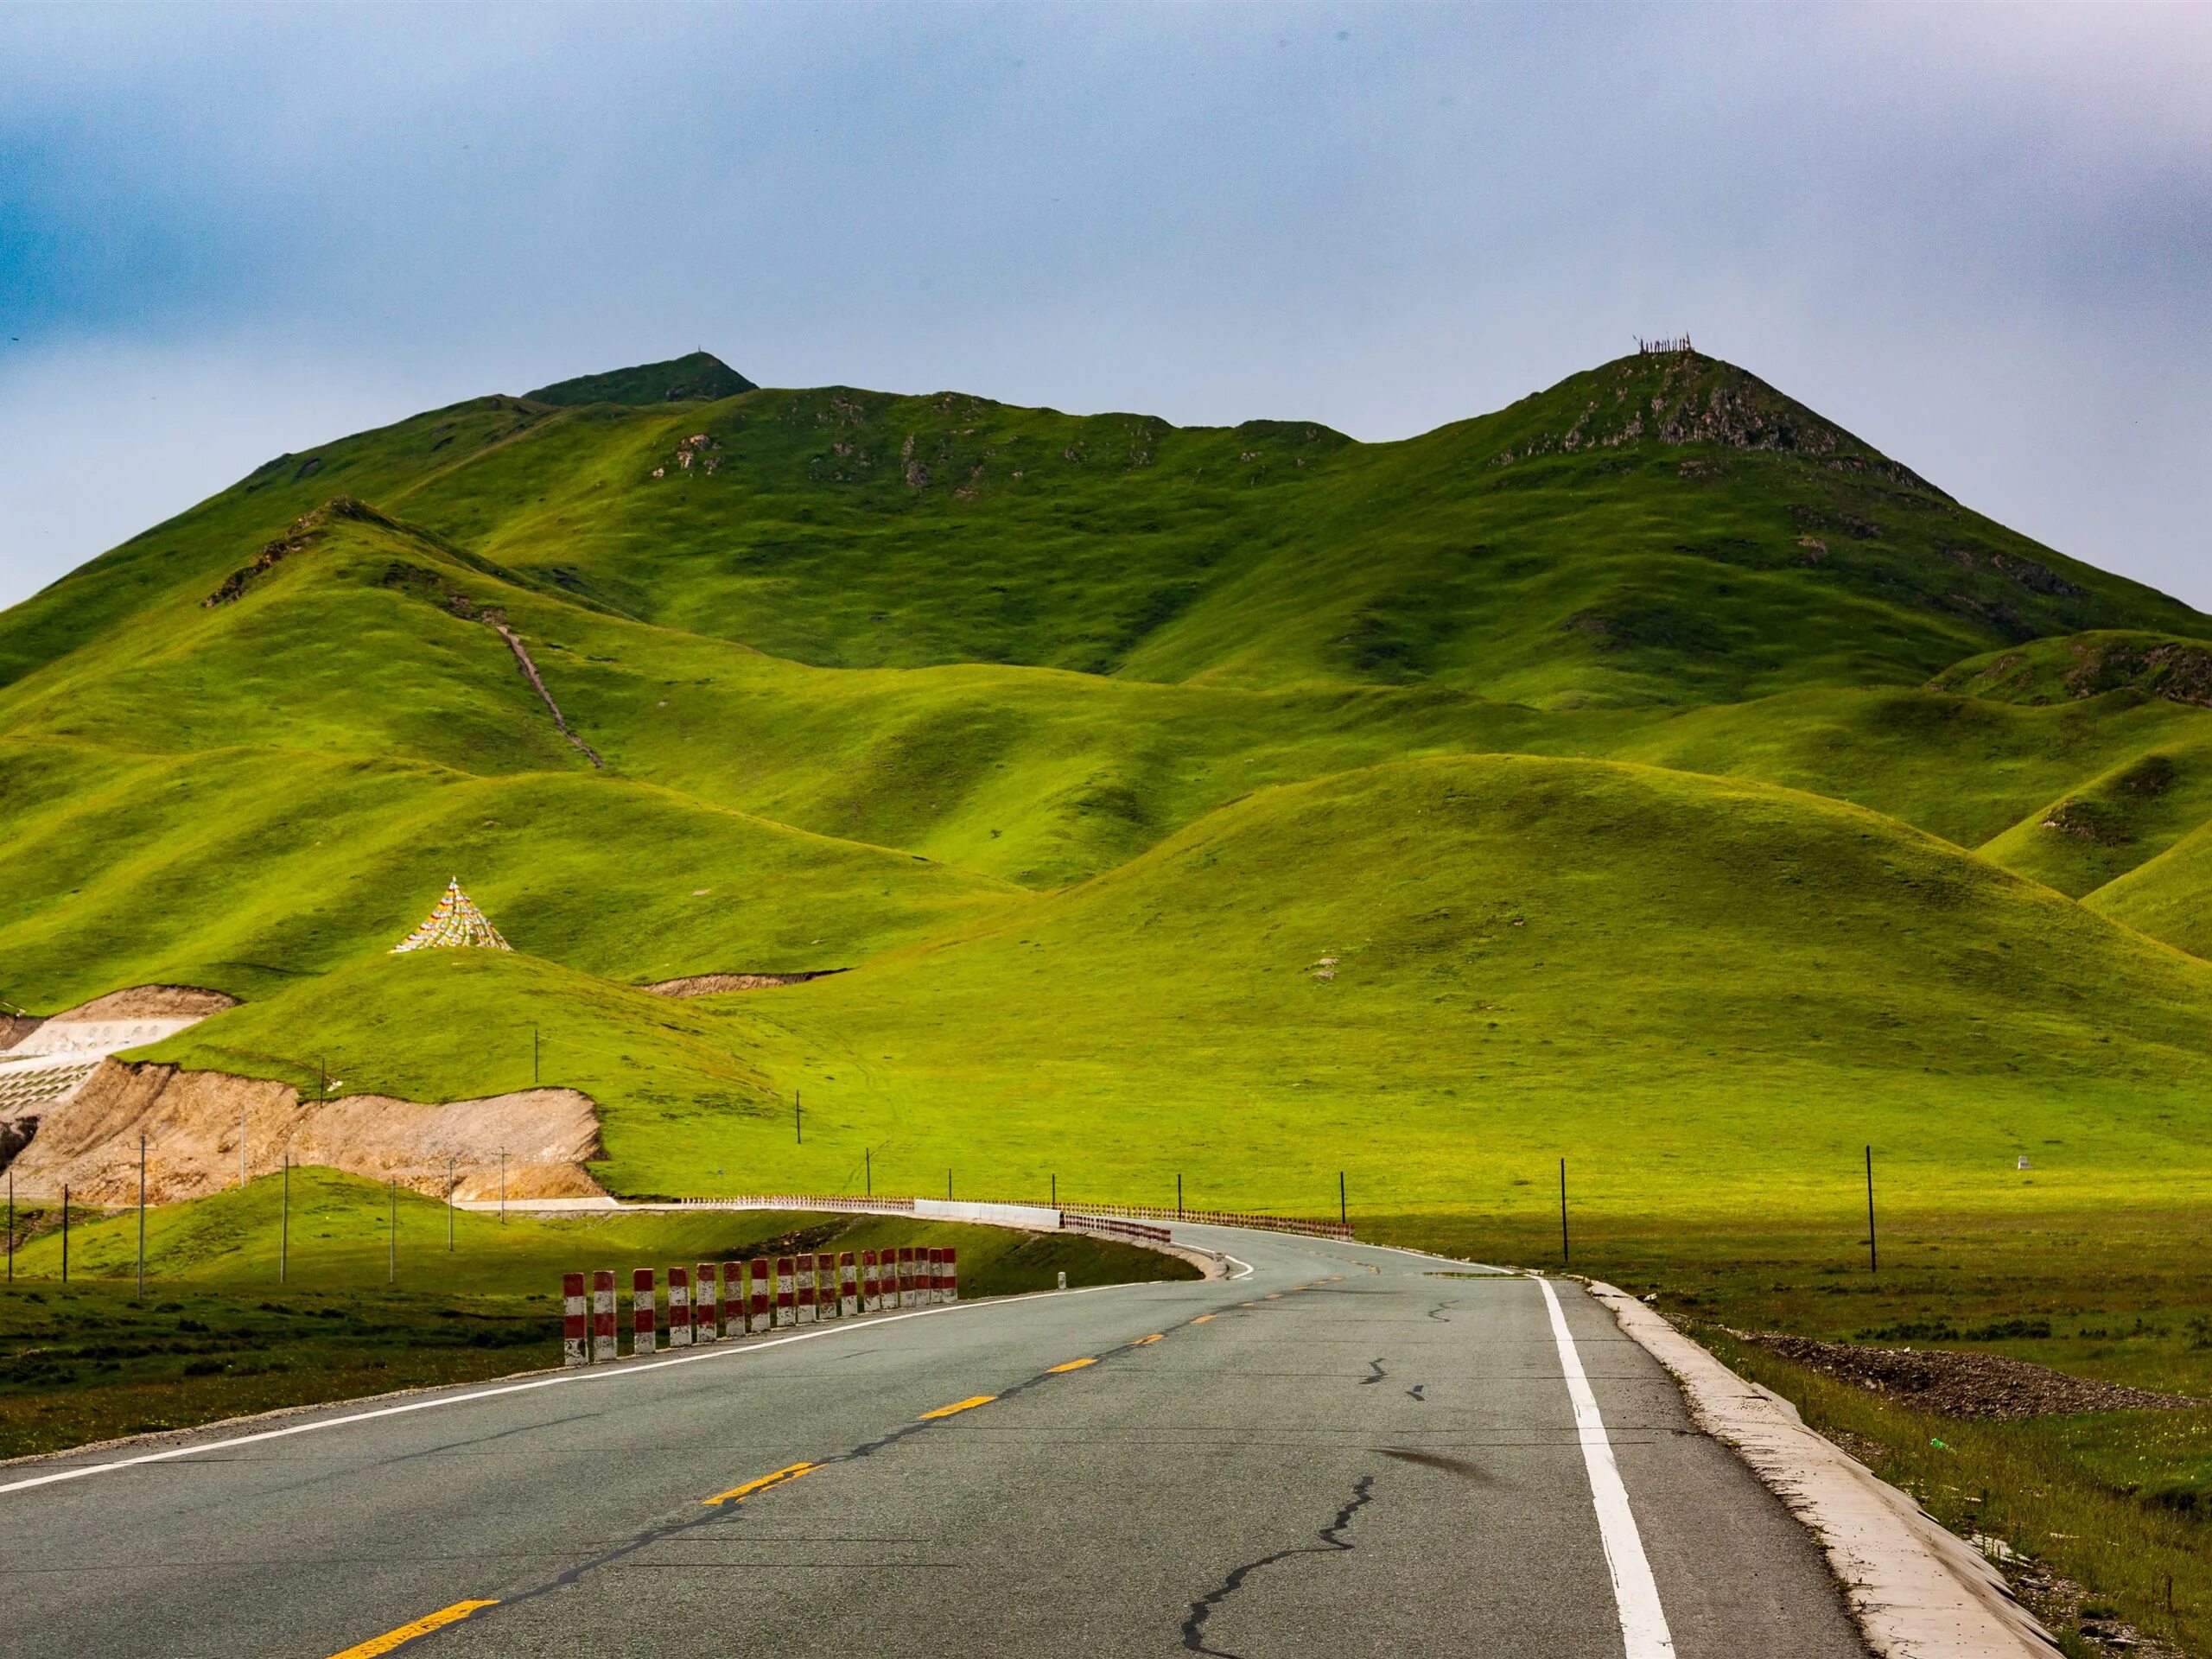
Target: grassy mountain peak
{"x":696,"y":377}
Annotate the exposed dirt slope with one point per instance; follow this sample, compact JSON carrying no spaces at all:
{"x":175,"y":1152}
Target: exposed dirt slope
{"x":716,"y":984}
{"x":192,"y":1122}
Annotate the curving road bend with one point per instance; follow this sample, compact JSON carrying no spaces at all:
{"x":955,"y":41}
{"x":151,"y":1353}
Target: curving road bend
{"x":1348,"y":1450}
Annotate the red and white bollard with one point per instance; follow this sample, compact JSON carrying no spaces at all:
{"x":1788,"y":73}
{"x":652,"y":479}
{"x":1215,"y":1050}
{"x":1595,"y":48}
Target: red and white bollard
{"x":786,"y":1292}
{"x":644,"y":1324}
{"x":602,"y":1317}
{"x":870,"y":1286}
{"x":906,"y":1276}
{"x":575,"y":1323}
{"x":806,"y":1289}
{"x":757,"y":1315}
{"x":951,"y":1274}
{"x":706,"y":1323}
{"x":733,"y":1298}
{"x":937,"y":1273}
{"x":679,"y":1308}
{"x":848,"y":1293}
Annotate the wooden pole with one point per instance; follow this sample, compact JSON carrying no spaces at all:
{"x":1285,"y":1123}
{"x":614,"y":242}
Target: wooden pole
{"x":142,"y":1218}
{"x":1874,"y":1262}
{"x":1564,"y":1257}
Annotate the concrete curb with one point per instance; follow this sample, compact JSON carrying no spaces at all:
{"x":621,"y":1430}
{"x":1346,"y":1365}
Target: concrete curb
{"x":1916,"y":1590}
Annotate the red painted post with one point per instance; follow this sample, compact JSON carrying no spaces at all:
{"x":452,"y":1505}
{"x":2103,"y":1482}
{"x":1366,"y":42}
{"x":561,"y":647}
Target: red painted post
{"x":733,"y":1298}
{"x":643,"y":1322}
{"x":806,"y":1289}
{"x":575,"y":1323}
{"x":706,"y":1325}
{"x":937,"y":1273}
{"x":951,"y":1274}
{"x":871,"y":1287}
{"x":906,"y":1276}
{"x":602,"y":1317}
{"x":786,"y":1303}
{"x":848,"y":1299}
{"x":757,"y":1316}
{"x":679,"y":1308}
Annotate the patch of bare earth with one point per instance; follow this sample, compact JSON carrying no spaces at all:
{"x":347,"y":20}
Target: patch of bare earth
{"x":195,"y":1123}
{"x":1948,"y":1384}
{"x":716,"y":984}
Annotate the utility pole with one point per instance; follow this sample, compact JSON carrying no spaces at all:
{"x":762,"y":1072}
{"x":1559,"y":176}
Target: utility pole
{"x":503,"y":1186}
{"x":284,"y":1225}
{"x":798,"y":1123}
{"x":948,"y":1187}
{"x":1178,"y":1195}
{"x":391,"y":1269}
{"x":65,"y":1232}
{"x":448,"y":1203}
{"x":1873,"y":1261}
{"x":1564,"y":1258}
{"x":142,"y":1218}
{"x":533,"y":1057}
{"x":1343,"y":1217}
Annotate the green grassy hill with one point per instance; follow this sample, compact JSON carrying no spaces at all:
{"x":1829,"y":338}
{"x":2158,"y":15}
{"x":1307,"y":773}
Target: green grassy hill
{"x":1067,"y":734}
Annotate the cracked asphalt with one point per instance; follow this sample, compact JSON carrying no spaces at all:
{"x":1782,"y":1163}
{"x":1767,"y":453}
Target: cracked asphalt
{"x":958,"y":1483}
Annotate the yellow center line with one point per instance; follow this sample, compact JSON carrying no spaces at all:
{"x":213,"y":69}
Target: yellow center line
{"x":421,"y":1626}
{"x":1202,"y":1319}
{"x":738,"y":1494}
{"x":1154,"y":1336}
{"x":1271,"y":1295}
{"x":1072,"y":1365}
{"x":968,"y":1404}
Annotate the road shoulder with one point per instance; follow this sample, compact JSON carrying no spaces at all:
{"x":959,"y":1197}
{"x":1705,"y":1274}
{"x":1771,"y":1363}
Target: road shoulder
{"x":1916,"y":1590}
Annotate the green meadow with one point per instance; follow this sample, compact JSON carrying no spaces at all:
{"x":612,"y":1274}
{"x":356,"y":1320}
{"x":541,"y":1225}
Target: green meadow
{"x":1650,"y":775}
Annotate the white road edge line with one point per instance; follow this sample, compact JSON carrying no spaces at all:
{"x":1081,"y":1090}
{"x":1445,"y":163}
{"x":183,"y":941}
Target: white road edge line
{"x":590,"y":1374}
{"x":1245,"y":1266}
{"x":1643,"y":1621}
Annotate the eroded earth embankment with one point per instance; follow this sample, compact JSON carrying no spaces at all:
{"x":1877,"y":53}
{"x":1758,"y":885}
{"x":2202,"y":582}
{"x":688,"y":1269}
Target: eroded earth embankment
{"x":195,"y":1122}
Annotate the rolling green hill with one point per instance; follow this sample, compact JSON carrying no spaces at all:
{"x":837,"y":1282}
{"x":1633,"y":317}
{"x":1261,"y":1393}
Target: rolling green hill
{"x":1677,"y":781}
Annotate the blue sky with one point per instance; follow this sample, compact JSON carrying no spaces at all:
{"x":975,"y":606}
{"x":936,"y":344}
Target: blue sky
{"x":1979,"y":237}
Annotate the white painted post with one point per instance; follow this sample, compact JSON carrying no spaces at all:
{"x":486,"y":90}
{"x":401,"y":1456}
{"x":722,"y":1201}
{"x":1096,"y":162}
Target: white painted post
{"x":644,"y":1317}
{"x":849,"y":1301}
{"x":733,"y":1298}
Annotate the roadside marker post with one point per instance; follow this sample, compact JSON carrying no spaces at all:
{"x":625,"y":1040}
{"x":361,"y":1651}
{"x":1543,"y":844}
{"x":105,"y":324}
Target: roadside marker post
{"x":679,"y":1308}
{"x":787,"y":1299}
{"x":575,"y":1323}
{"x":870,"y":1286}
{"x":951,"y":1274}
{"x":733,"y":1298}
{"x":603,"y":1349}
{"x":937,"y":1275}
{"x":906,"y":1276}
{"x":757,"y":1314}
{"x":644,"y":1328}
{"x":806,"y":1308}
{"x":706,"y":1306}
{"x":849,"y":1301}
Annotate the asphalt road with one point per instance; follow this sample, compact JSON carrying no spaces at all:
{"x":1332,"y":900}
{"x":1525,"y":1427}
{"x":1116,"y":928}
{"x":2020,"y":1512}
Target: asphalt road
{"x":1349,"y":1451}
